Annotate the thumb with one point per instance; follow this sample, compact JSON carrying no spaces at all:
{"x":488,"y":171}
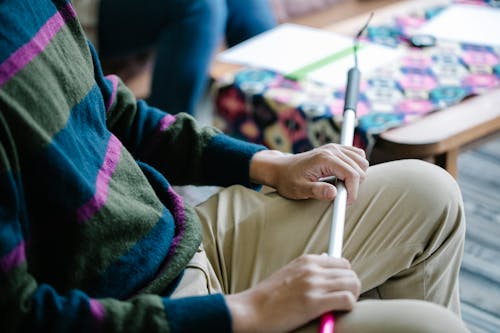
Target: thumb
{"x":323,"y":191}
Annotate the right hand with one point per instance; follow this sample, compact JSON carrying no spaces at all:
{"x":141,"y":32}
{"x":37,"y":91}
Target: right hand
{"x":296,"y":176}
{"x":296,"y":294}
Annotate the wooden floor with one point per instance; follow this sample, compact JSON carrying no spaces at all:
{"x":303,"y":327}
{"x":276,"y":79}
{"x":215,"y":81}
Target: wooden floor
{"x":479,"y":180}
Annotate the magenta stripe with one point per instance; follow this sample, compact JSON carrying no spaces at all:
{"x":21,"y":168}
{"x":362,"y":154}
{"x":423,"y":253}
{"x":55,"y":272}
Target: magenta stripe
{"x":180,"y":221}
{"x":23,"y":56}
{"x":98,"y":312}
{"x":178,"y":211}
{"x":165,"y":122}
{"x":13,"y":259}
{"x":114,"y":83}
{"x":107,"y":169}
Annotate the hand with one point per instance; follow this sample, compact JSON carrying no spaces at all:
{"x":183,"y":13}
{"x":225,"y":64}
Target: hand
{"x":296,"y":294}
{"x":297,"y":176}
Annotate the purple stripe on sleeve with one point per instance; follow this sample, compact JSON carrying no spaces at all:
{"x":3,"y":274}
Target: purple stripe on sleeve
{"x":107,"y":169}
{"x":180,"y":221}
{"x":97,"y":311}
{"x":177,"y":209}
{"x":162,"y":126}
{"x":165,"y":122}
{"x":114,"y":83}
{"x":23,"y":56}
{"x":13,"y":259}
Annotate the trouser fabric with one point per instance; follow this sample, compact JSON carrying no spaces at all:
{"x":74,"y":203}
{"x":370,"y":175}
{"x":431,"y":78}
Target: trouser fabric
{"x":403,"y":236}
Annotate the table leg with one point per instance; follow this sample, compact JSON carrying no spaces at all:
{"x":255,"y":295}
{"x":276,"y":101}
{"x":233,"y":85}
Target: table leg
{"x":448,"y":161}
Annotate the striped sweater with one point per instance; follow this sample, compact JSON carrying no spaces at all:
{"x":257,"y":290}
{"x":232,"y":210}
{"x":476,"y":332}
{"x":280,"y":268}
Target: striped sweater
{"x":92,"y":236}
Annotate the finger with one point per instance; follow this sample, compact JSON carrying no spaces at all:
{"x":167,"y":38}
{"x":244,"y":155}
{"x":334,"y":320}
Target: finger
{"x":355,"y":161}
{"x":360,"y":160}
{"x":337,"y":301}
{"x":358,"y":151}
{"x":351,"y":179}
{"x":322,"y":191}
{"x":326,"y":261}
{"x":343,"y":280}
{"x":349,"y":283}
{"x":352,"y":186}
{"x":356,"y":154}
{"x":353,"y":156}
{"x":343,"y":167}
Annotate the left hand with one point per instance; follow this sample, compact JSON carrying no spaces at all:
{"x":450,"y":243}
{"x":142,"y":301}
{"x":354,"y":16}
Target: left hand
{"x":297,"y":176}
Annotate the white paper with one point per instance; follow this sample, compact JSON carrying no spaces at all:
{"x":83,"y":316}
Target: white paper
{"x":466,"y":23}
{"x":290,"y":47}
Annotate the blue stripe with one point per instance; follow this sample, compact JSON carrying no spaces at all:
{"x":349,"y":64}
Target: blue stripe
{"x":149,"y":118}
{"x":226,"y":161}
{"x":10,"y":214}
{"x":139,"y":265}
{"x":75,"y":153}
{"x":198,"y":313}
{"x":134,"y":137}
{"x":51,"y":312}
{"x":104,"y":84}
{"x":32,"y":14}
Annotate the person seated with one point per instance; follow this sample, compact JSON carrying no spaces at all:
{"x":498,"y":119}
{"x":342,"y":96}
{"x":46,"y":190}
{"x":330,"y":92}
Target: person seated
{"x":93,"y":238}
{"x":184,"y":35}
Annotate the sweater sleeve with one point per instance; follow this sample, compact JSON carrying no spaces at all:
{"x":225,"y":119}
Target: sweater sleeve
{"x":175,"y":145}
{"x":29,"y":305}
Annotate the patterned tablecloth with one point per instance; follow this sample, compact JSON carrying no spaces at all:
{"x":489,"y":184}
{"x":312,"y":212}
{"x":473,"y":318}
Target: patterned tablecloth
{"x":265,"y":107}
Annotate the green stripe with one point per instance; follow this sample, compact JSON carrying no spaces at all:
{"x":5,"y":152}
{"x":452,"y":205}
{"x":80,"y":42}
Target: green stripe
{"x":144,"y":313}
{"x":131,"y":210}
{"x":37,"y":101}
{"x":303,"y":71}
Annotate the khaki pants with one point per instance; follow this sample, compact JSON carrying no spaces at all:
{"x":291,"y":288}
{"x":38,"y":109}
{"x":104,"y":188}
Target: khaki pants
{"x":403,"y":236}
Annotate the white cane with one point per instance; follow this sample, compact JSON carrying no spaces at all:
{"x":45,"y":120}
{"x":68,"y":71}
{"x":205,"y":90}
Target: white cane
{"x":327,"y":324}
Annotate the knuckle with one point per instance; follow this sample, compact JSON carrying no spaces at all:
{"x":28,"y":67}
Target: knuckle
{"x":354,"y":285}
{"x":346,"y":263}
{"x":307,"y":268}
{"x":301,"y":259}
{"x":306,"y":258}
{"x":318,"y":155}
{"x":355,"y":176}
{"x":358,"y":286}
{"x":310,"y":270}
{"x":309,"y":282}
{"x":308,"y":299}
{"x":360,"y":151}
{"x":331,"y":145}
{"x":347,"y":300}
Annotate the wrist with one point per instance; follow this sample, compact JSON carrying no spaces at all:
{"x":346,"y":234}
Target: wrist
{"x":242,"y":313}
{"x":265,"y":167}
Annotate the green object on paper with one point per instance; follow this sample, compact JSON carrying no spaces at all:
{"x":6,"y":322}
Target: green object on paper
{"x":303,"y":71}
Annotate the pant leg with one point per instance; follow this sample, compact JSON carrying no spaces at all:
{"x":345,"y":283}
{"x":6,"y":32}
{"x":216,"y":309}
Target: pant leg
{"x":394,"y":316}
{"x":404,"y":235}
{"x":185,"y":34}
{"x":248,"y":18}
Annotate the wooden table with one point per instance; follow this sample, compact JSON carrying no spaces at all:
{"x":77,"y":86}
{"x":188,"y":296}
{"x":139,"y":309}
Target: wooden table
{"x":437,"y":137}
{"x":440,"y":136}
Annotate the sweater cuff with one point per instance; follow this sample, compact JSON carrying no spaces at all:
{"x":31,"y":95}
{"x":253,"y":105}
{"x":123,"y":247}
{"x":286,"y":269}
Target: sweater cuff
{"x":198,"y":313}
{"x":226,"y":161}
